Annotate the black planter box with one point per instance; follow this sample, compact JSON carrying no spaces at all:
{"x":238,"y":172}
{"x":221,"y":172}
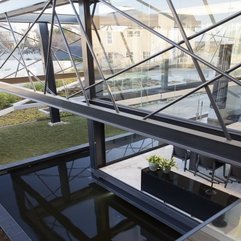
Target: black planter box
{"x":184,"y":193}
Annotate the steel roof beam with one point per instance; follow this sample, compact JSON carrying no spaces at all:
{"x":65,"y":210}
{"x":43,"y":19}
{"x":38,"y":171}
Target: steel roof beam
{"x":46,"y":17}
{"x":32,"y":8}
{"x":195,"y":140}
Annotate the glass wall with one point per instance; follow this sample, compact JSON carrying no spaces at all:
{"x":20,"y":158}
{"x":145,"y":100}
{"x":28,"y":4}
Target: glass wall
{"x":148,"y":60}
{"x":121,"y":144}
{"x":28,"y":54}
{"x":143,"y":55}
{"x":27,"y":133}
{"x":226,"y":226}
{"x":24,"y":64}
{"x":26,"y":127}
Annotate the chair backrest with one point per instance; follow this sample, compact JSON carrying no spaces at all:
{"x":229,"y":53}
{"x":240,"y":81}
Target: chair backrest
{"x":193,"y":161}
{"x":193,"y":156}
{"x":180,"y":153}
{"x":236,"y":172}
{"x":206,"y":161}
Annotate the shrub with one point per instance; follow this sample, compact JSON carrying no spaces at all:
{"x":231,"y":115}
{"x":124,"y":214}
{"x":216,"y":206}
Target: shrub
{"x":40,"y":86}
{"x":6,"y":100}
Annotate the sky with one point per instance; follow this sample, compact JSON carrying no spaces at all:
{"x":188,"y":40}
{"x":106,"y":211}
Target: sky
{"x":10,"y":5}
{"x":183,"y":6}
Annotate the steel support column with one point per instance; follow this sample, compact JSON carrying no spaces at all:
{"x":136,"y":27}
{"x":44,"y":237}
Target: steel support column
{"x":44,"y":33}
{"x":64,"y":180}
{"x":97,"y":143}
{"x":220,"y":87}
{"x":96,"y":129}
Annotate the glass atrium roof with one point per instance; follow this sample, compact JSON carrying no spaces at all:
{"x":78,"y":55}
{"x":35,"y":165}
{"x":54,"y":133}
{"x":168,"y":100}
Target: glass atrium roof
{"x":12,"y":5}
{"x":16,"y":7}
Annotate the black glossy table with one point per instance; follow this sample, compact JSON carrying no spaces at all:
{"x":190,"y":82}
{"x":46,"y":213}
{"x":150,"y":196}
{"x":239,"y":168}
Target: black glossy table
{"x":184,"y":193}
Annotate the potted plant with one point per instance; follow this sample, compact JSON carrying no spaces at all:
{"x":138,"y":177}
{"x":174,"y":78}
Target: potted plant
{"x":166,"y":164}
{"x":153,"y":162}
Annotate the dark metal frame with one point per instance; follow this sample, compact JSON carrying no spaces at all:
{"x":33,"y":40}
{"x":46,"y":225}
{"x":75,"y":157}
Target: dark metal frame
{"x":202,"y":225}
{"x":49,"y":68}
{"x":96,"y":129}
{"x":209,"y":143}
{"x":161,"y":211}
{"x":199,"y":70}
{"x":46,"y":17}
{"x":52,"y":206}
{"x":221,"y":144}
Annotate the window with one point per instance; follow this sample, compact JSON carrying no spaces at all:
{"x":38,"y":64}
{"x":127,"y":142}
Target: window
{"x":132,"y":33}
{"x":111,"y":57}
{"x":129,"y":54}
{"x":146,"y":54}
{"x":109,"y":38}
{"x":129,"y":33}
{"x":136,"y":34}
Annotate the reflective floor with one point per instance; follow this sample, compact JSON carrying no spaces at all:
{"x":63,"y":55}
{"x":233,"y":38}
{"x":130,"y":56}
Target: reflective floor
{"x":58,"y":200}
{"x":226,"y":226}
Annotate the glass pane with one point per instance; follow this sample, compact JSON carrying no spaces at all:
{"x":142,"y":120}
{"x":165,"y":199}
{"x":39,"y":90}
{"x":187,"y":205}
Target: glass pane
{"x":122,"y":144}
{"x":220,"y":46}
{"x":163,"y":74}
{"x":153,"y":13}
{"x":12,"y":5}
{"x":197,"y":106}
{"x":199,"y":14}
{"x":61,"y":59}
{"x":30,"y":51}
{"x":233,"y":110}
{"x":119,"y":42}
{"x":33,"y":126}
{"x":172,"y":69}
{"x":225,"y":227}
{"x":194,"y":107}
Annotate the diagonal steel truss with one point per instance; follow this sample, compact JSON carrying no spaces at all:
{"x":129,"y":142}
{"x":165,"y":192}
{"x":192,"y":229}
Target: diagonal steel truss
{"x":198,"y":138}
{"x":54,"y":20}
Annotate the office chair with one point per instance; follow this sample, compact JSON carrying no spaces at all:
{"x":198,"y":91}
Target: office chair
{"x":234,"y":174}
{"x":182,"y":154}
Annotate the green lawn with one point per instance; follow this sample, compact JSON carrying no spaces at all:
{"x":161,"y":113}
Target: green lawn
{"x":21,"y":141}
